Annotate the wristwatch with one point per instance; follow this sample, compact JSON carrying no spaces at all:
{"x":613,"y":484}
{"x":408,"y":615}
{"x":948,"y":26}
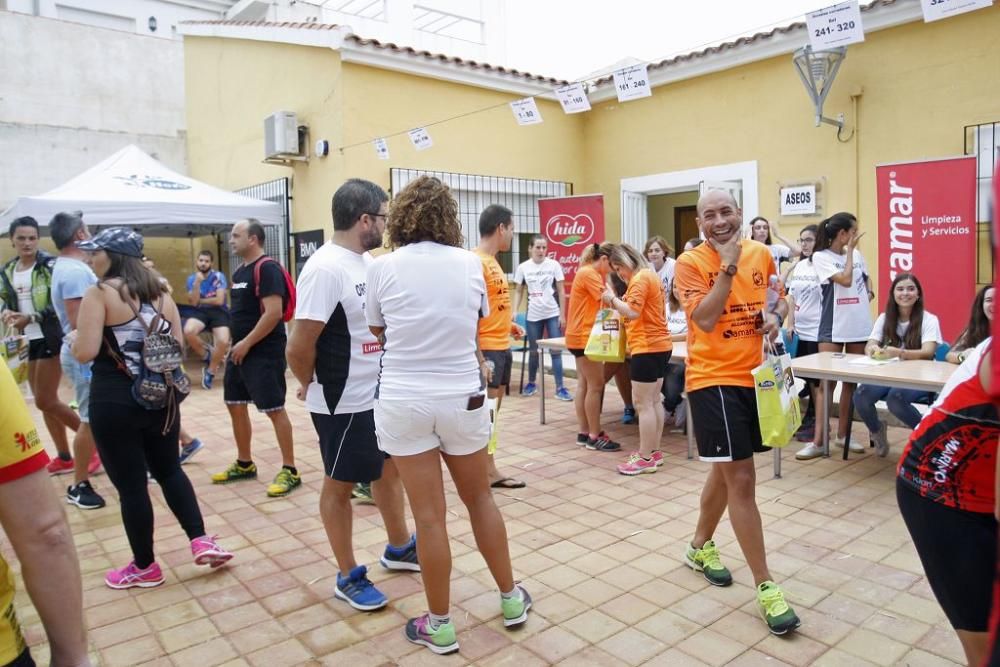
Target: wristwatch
{"x":729,"y":270}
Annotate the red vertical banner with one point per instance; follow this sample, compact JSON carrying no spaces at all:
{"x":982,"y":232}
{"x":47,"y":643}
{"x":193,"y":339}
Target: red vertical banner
{"x":570,"y":224}
{"x":927,"y":227}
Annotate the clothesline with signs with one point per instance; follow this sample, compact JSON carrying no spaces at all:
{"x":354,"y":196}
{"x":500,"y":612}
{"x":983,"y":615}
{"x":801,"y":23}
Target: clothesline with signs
{"x":830,"y":27}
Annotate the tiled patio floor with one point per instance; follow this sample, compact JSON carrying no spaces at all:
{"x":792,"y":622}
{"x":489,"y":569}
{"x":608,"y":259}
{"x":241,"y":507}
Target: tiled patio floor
{"x":599,"y":552}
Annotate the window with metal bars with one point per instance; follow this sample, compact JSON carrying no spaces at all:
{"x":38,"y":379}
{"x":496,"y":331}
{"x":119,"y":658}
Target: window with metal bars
{"x":474,"y":193}
{"x":275,"y":236}
{"x":983,"y":141}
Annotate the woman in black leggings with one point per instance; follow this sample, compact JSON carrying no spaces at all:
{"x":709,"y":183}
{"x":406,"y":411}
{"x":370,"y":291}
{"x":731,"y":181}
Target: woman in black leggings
{"x":129,"y":437}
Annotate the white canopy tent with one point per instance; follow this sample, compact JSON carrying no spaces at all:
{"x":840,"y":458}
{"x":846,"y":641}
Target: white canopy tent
{"x":132,"y":189}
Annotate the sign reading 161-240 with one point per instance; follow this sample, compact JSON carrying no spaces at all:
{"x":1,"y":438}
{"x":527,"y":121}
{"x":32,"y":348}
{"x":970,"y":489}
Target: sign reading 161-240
{"x":798,"y":200}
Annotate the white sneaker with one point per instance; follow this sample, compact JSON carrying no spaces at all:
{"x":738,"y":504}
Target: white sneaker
{"x":856,"y":447}
{"x":881,"y":440}
{"x":680,"y":415}
{"x":809,"y":452}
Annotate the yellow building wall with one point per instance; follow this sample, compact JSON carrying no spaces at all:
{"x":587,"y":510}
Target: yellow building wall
{"x":921,"y":84}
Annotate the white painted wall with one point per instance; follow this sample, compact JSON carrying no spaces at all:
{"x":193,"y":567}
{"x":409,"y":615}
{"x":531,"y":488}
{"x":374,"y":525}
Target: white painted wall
{"x":127,"y":15}
{"x":73,"y":94}
{"x":471,"y":29}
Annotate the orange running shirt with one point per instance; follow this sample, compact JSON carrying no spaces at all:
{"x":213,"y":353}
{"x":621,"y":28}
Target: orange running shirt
{"x":725,"y":356}
{"x":494,"y":329}
{"x":584,"y":302}
{"x":648,"y":332}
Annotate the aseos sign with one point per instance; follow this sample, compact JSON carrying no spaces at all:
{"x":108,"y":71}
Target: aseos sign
{"x":927,"y":227}
{"x":570,"y":224}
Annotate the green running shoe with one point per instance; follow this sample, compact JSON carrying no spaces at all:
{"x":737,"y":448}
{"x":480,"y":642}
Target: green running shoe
{"x":283,"y":483}
{"x":515,"y":609}
{"x":440,"y":640}
{"x":706,"y":560}
{"x":235,"y":473}
{"x":774,"y":610}
{"x":363,"y":492}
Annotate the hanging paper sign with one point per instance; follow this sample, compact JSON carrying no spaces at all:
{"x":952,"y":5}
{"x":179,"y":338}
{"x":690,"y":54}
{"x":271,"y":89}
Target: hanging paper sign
{"x":381,"y":148}
{"x":420,"y":139}
{"x":632,"y":83}
{"x":573,"y":98}
{"x":942,"y":9}
{"x":837,"y":25}
{"x":526,"y":111}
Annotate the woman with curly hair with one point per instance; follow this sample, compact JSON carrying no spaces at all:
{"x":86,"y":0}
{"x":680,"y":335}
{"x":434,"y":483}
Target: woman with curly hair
{"x":424,"y":301}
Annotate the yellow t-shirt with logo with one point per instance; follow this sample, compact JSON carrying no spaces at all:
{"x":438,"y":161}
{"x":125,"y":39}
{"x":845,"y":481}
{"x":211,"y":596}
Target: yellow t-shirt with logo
{"x":21,"y":453}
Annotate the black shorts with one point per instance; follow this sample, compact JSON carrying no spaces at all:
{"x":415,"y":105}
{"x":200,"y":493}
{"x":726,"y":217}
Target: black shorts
{"x":576,"y":352}
{"x":348,"y":446}
{"x":725,"y":423}
{"x":502,"y":361}
{"x":260,"y":380}
{"x":806,"y":347}
{"x":212,"y":317}
{"x":648,"y":367}
{"x":939,"y":533}
{"x":39,"y":349}
{"x":24,"y":659}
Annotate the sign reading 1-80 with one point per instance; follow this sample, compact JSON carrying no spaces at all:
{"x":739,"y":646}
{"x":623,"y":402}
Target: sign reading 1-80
{"x":835,"y":26}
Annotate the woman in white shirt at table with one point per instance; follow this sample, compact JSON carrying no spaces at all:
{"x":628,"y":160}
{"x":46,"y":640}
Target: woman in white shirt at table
{"x":845,"y":320}
{"x":805,"y":305}
{"x":658,"y":253}
{"x":761,"y":230}
{"x":905,"y":331}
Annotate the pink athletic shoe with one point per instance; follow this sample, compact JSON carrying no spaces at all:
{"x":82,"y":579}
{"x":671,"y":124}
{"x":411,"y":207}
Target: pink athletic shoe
{"x":636,"y":465}
{"x":206,"y":551}
{"x":132,"y":577}
{"x":658,"y":458}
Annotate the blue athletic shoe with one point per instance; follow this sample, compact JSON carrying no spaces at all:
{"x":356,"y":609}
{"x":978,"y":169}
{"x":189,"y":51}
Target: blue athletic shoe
{"x":629,"y":416}
{"x":189,"y":450}
{"x":357,"y":591}
{"x":530,"y":389}
{"x":401,"y":559}
{"x":206,"y":379}
{"x":563,"y":394}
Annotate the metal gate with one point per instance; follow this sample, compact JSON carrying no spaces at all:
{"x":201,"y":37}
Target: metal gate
{"x":474,"y":193}
{"x":276,"y":237}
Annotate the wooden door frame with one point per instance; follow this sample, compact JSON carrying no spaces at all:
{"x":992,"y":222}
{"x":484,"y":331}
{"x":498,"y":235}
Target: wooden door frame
{"x":678,"y":211}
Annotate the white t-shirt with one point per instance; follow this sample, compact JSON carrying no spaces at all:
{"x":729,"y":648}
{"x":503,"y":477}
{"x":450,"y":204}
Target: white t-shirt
{"x":676,"y":321}
{"x":22,"y":285}
{"x":666,"y":274}
{"x":803,"y":286}
{"x":845,"y":317}
{"x":331,"y":289}
{"x":429,"y":297}
{"x":540,"y":279}
{"x":779,"y":252}
{"x":929,"y":331}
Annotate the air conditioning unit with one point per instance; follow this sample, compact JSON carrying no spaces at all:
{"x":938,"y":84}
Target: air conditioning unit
{"x":281,"y":135}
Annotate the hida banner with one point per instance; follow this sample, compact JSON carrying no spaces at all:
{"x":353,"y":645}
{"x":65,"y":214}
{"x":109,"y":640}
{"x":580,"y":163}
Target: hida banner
{"x":570,"y":224}
{"x":927,"y":227}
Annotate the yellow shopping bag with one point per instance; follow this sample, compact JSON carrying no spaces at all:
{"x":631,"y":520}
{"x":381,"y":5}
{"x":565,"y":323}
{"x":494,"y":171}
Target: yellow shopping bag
{"x":14,"y":350}
{"x":607,"y":338}
{"x":777,"y":401}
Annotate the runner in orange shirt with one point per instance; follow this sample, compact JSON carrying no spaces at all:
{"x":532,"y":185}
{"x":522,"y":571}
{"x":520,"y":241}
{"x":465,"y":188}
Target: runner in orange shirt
{"x":723,"y":285}
{"x":584,"y":302}
{"x":649,"y":343}
{"x":496,"y":233}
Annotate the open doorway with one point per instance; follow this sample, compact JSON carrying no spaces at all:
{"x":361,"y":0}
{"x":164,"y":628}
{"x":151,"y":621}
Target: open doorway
{"x":649,"y":202}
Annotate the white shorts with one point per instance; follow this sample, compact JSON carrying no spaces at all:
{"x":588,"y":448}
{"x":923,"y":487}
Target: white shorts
{"x":408,"y":427}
